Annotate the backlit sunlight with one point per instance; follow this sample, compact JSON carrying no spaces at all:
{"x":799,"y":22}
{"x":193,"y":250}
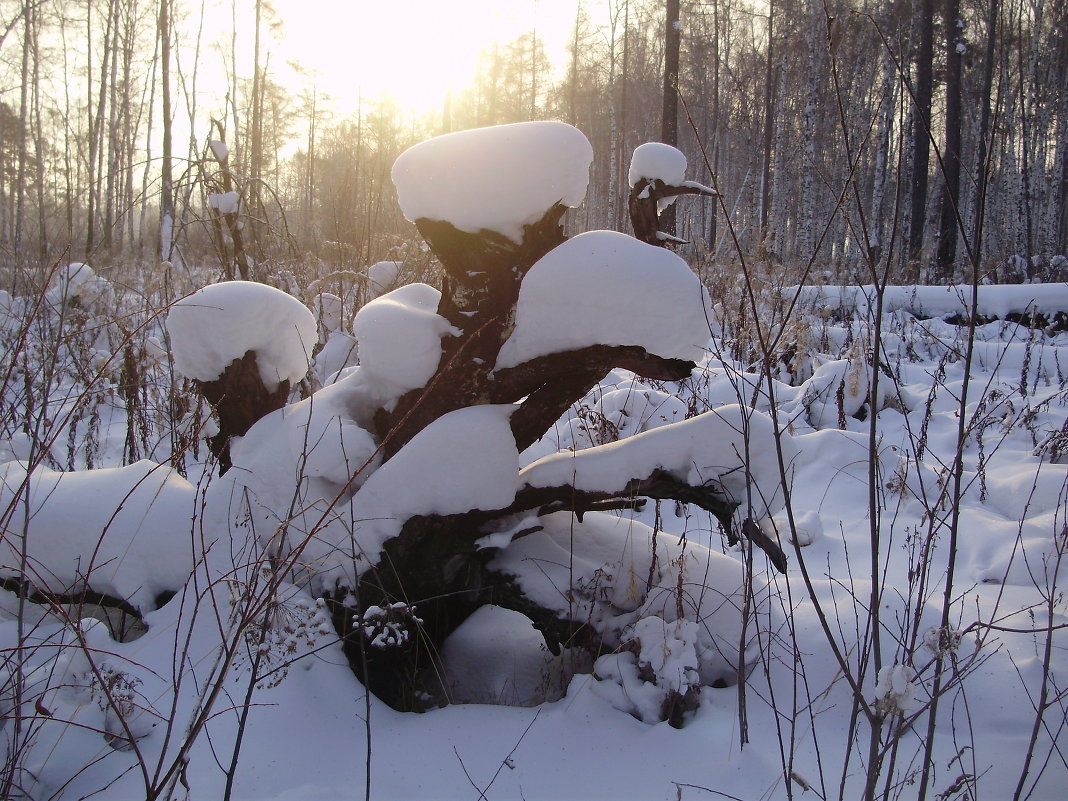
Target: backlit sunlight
{"x":413,"y":51}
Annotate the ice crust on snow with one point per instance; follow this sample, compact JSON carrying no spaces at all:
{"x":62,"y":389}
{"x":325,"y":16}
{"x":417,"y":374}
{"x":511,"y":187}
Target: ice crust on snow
{"x":123,"y":531}
{"x":607,"y":288}
{"x":219,"y":323}
{"x":399,"y":337}
{"x":655,"y":160}
{"x":498,"y":179}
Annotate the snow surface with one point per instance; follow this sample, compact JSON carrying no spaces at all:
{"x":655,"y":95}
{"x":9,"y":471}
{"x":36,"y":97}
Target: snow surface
{"x":464,"y":460}
{"x":382,"y":277}
{"x":123,"y":531}
{"x":995,"y":301}
{"x":728,"y":447}
{"x":498,"y":179}
{"x":657,"y":161}
{"x":630,"y":571}
{"x":608,"y":288}
{"x":399,"y":336}
{"x":219,"y":150}
{"x":221,"y":322}
{"x":225,"y":202}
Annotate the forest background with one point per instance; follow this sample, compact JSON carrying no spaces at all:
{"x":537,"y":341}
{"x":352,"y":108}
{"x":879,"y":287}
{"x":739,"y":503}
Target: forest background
{"x":946,"y":116}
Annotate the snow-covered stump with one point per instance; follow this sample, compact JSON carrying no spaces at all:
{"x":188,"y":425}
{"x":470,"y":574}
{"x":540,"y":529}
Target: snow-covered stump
{"x":243,"y":344}
{"x":461,"y":381}
{"x":657,"y":177}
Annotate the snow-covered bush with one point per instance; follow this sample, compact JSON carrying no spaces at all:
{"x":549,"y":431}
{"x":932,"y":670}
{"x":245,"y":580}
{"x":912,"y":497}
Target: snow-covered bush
{"x":400,"y":483}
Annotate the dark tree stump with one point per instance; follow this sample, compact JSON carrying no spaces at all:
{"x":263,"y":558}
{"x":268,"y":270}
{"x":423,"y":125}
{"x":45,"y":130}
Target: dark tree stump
{"x":239,"y":399}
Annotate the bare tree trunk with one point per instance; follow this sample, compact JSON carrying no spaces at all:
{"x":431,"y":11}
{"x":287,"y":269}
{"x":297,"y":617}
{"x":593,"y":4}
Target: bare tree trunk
{"x":39,"y":142}
{"x":166,"y":202}
{"x":921,"y":145}
{"x":982,"y":168}
{"x":24,"y":119}
{"x":886,"y":120}
{"x":769,"y":94}
{"x":669,"y":119}
{"x":816,"y":26}
{"x":947,"y":230}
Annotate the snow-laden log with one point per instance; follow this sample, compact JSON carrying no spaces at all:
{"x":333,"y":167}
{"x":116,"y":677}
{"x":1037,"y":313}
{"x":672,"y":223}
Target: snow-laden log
{"x":121,"y":532}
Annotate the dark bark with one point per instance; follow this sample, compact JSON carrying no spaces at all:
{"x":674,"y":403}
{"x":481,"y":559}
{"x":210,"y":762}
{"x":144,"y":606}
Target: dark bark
{"x":669,"y":123}
{"x":239,"y":399}
{"x":480,"y":287}
{"x":651,"y":226}
{"x":551,"y":384}
{"x":947,"y":229}
{"x":438,"y":576}
{"x":920,"y":135}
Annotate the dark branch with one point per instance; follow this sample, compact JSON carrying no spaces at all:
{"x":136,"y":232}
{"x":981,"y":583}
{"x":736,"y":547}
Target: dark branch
{"x":645,"y":211}
{"x":552,"y":383}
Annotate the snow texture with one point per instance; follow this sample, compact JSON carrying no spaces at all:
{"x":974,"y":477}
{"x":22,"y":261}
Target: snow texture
{"x":123,"y":531}
{"x":728,"y":447}
{"x":219,"y":323}
{"x":496,"y":656}
{"x":464,"y":460}
{"x":399,"y":336}
{"x":328,"y":311}
{"x":607,"y":288}
{"x":225,"y":202}
{"x":75,"y":280}
{"x":498,"y":179}
{"x":219,"y":150}
{"x":657,"y":161}
{"x":382,"y":277}
{"x":995,"y":301}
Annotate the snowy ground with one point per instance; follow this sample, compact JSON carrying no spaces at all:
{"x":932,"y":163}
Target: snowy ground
{"x":309,"y":732}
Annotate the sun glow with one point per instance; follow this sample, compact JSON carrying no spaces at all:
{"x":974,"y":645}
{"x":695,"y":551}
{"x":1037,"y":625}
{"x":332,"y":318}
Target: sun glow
{"x":413,"y":51}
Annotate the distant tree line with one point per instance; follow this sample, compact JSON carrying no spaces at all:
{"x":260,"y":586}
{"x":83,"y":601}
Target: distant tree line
{"x":911,"y":136}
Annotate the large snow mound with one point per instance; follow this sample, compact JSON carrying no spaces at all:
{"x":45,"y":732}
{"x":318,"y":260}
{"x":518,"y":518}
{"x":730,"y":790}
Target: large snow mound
{"x":498,"y":178}
{"x":399,"y":337}
{"x":219,"y":323}
{"x":122,"y":531}
{"x":655,"y":160}
{"x":607,"y":288}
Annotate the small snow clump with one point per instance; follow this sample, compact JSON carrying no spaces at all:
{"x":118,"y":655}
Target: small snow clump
{"x":399,"y":338}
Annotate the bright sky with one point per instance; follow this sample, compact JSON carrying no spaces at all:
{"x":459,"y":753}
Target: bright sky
{"x":414,"y":50}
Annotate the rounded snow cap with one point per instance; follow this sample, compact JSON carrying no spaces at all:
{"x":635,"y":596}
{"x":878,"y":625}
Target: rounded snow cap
{"x":656,"y":160}
{"x":497,"y":179}
{"x":219,"y":323}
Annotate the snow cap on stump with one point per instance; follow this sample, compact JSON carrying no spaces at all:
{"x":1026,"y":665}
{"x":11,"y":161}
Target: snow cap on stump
{"x":655,"y":160}
{"x":219,"y":323}
{"x":497,"y":179}
{"x":607,"y":288}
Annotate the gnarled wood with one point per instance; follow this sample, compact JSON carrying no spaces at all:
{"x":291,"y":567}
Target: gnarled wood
{"x":643,"y":204}
{"x":239,"y":399}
